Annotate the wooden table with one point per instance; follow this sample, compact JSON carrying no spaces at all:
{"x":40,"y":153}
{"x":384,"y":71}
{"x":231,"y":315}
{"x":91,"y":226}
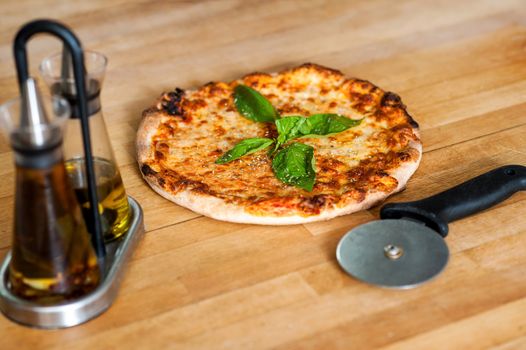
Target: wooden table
{"x":460,"y":66}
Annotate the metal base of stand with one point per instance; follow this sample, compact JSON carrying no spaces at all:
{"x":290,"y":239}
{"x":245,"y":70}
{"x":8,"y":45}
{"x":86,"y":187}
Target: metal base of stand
{"x":74,"y":312}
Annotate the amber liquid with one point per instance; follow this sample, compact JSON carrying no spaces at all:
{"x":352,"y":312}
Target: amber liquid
{"x":52,"y":257}
{"x":113,"y":202}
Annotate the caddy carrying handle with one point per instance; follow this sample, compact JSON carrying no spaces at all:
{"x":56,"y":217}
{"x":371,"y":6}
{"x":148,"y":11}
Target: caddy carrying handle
{"x":75,"y":48}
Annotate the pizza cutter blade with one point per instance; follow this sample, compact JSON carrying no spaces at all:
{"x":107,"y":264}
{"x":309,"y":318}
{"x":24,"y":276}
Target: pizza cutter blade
{"x":406,"y":248}
{"x":393,"y":253}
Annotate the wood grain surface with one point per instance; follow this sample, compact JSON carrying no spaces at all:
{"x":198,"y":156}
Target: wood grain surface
{"x":460,"y":67}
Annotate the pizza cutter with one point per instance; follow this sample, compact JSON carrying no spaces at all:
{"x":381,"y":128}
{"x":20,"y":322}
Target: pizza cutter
{"x":407,"y":248}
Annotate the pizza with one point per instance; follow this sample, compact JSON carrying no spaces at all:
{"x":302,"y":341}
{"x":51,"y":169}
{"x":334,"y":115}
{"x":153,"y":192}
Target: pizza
{"x":184,"y":133}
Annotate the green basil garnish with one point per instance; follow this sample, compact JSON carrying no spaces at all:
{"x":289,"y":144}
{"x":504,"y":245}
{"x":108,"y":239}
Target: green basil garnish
{"x":316,"y":125}
{"x":288,"y":129}
{"x":243,"y":148}
{"x":252,"y":105}
{"x":294,"y":165}
{"x":325,"y":124}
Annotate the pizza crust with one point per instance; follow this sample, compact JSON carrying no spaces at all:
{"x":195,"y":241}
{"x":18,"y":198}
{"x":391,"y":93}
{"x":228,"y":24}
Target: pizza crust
{"x":145,"y":132}
{"x":220,"y":209}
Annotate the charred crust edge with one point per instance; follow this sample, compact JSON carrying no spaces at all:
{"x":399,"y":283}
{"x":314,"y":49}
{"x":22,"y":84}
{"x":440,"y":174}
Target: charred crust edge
{"x":411,"y":121}
{"x":392,"y":100}
{"x":171,"y":101}
{"x":308,"y":65}
{"x":373,"y":87}
{"x":146,"y":170}
{"x":255,"y":74}
{"x":318,"y":67}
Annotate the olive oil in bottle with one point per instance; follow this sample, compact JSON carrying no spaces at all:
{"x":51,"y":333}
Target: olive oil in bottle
{"x":113,"y":202}
{"x":52,"y":258}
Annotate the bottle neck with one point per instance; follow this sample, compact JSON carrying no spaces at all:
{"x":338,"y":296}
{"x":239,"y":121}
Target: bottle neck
{"x":68,"y":91}
{"x":41,"y":159}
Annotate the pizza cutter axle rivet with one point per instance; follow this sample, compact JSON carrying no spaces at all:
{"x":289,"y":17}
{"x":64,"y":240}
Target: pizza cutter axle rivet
{"x":393,"y":252}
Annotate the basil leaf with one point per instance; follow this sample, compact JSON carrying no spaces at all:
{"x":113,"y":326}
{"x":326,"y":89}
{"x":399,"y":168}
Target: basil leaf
{"x":325,"y":124}
{"x":294,"y":165}
{"x":252,"y":105}
{"x":316,"y":125}
{"x":288,"y":128}
{"x":243,"y":148}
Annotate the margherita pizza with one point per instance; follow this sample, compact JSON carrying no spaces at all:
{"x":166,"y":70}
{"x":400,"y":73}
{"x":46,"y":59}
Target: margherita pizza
{"x":355,"y":146}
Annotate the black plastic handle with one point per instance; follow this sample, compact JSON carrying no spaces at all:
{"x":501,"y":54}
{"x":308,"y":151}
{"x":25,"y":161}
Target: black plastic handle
{"x":470,"y":197}
{"x":75,"y":48}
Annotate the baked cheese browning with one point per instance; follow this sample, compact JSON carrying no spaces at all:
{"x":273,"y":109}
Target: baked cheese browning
{"x":198,"y":126}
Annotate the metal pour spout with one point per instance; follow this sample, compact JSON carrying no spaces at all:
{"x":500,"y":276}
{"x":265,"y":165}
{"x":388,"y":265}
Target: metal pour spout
{"x":33,"y":118}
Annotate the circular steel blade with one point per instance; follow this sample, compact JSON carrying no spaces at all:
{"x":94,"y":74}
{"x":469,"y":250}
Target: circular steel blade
{"x":392,"y":253}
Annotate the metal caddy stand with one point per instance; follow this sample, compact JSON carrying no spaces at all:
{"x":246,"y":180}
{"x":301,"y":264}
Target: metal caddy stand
{"x":77,"y":311}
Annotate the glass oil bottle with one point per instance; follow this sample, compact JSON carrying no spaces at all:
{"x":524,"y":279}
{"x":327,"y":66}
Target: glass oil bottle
{"x":113,"y":202}
{"x":52,"y":257}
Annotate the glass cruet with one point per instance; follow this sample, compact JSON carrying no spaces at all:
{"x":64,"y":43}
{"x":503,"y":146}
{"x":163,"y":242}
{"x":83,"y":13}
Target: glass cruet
{"x":113,"y":202}
{"x":52,"y":257}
